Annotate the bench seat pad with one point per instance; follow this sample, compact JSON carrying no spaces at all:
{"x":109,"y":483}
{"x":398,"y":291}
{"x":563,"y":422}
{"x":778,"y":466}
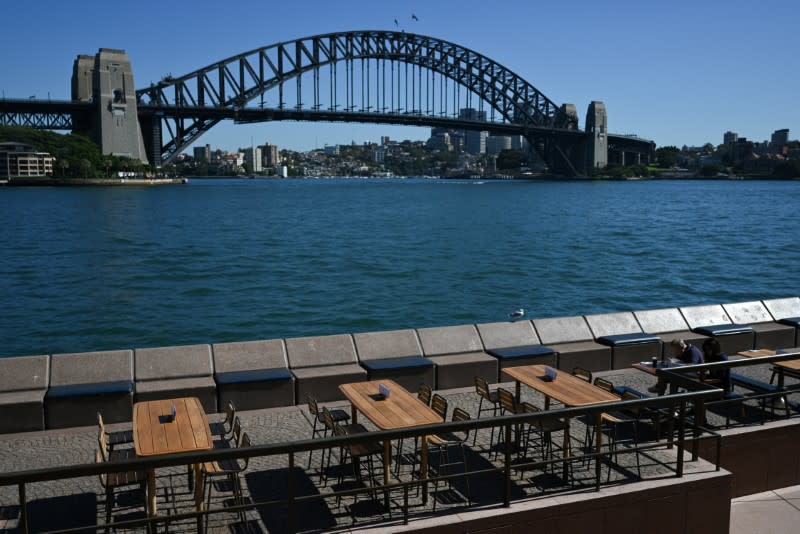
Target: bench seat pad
{"x":619,"y":340}
{"x":752,"y":383}
{"x":388,"y":364}
{"x":723,"y":329}
{"x":256,"y":375}
{"x":90,"y":390}
{"x":511,"y":353}
{"x":791,"y":321}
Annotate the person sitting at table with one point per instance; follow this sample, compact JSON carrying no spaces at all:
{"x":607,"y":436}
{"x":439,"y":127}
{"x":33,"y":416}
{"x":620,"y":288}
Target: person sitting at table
{"x":712,"y":352}
{"x":686,"y":353}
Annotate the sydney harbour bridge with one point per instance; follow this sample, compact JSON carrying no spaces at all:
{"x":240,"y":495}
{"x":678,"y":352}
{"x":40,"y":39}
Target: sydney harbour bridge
{"x":382,"y":77}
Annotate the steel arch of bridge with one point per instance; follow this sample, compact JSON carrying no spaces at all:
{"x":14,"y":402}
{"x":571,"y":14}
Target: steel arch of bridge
{"x":235,"y":81}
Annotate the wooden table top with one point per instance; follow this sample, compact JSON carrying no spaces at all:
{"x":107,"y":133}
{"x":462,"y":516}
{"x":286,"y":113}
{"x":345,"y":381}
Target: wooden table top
{"x":400,"y":410}
{"x":153,"y":435}
{"x":755,"y":353}
{"x":648,"y":368}
{"x":566,"y":389}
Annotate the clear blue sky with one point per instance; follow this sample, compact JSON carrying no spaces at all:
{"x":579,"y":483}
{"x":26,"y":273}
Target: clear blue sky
{"x":679,"y":72}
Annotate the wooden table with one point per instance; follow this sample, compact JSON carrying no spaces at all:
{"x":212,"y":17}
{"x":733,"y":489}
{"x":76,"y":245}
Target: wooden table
{"x":154,"y":435}
{"x":788,"y":365}
{"x":566,"y":389}
{"x":648,"y":368}
{"x":400,"y":410}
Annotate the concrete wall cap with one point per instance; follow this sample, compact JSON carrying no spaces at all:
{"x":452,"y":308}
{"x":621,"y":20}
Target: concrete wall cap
{"x":388,"y":344}
{"x":507,"y":334}
{"x":611,"y":324}
{"x":249,"y":355}
{"x":91,"y":367}
{"x":661,"y":320}
{"x":321,"y":350}
{"x":783,"y":308}
{"x":705,"y":315}
{"x":24,"y":373}
{"x":449,"y":339}
{"x":562,"y":329}
{"x":173,"y":362}
{"x":747,"y":312}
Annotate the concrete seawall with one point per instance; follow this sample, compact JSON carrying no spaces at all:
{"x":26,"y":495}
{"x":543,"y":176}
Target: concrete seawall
{"x":64,"y":390}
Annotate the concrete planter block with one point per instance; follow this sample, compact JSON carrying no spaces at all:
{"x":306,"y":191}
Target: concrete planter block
{"x":395,"y":355}
{"x":458,"y":354}
{"x":321,"y":363}
{"x":506,"y":335}
{"x":707,"y":315}
{"x":171,"y":372}
{"x":783,"y":308}
{"x":768,"y":333}
{"x":253,"y":374}
{"x":23,"y":382}
{"x":623,"y":355}
{"x":83,"y":384}
{"x":747,"y":312}
{"x":610,"y":324}
{"x":587,"y":354}
{"x":562,"y":330}
{"x":661,"y":321}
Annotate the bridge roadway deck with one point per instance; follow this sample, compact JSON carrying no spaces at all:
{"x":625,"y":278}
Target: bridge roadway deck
{"x":80,"y":501}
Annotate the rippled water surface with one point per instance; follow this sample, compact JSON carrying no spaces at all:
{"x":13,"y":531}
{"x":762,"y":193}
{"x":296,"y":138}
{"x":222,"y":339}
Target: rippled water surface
{"x":100,"y":268}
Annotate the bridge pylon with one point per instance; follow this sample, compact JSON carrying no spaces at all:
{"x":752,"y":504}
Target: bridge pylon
{"x":106,"y":80}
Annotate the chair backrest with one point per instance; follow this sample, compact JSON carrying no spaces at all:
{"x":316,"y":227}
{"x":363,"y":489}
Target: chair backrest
{"x":236,"y":431}
{"x":100,"y":422}
{"x":527,"y":407}
{"x":507,"y":400}
{"x":327,"y":418}
{"x":313,"y":408}
{"x":439,"y":405}
{"x":230,"y":414}
{"x":602,"y":383}
{"x":482,"y":387}
{"x":461,"y":415}
{"x":627,"y":395}
{"x":585,"y":374}
{"x":98,"y":458}
{"x":102,"y":442}
{"x":424,"y":393}
{"x":245,"y":442}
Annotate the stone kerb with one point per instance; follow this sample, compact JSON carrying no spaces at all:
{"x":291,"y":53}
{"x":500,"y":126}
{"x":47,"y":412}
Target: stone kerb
{"x":783,"y":308}
{"x":507,"y":334}
{"x":320,"y":364}
{"x":181,"y":371}
{"x":661,"y":321}
{"x":83,"y":384}
{"x":458,"y":354}
{"x":253,"y":374}
{"x":573,"y":340}
{"x":609,"y":327}
{"x":610,"y":324}
{"x":701,"y":319}
{"x":23,"y":382}
{"x":395,"y":355}
{"x":747,"y":312}
{"x":768,"y":333}
{"x":706,"y":315}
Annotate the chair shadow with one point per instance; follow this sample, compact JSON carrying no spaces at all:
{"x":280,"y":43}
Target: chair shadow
{"x":273,"y":485}
{"x":65,"y":512}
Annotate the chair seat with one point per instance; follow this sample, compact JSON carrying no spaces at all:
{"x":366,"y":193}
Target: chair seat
{"x":366,"y":448}
{"x":554,"y":425}
{"x":125,"y":478}
{"x":618,"y":417}
{"x":621,"y":390}
{"x":222,"y":467}
{"x":449,"y":438}
{"x":119,"y":437}
{"x":494,"y":398}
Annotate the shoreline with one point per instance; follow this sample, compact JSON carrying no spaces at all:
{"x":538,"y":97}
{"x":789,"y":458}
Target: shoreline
{"x":70,"y":182}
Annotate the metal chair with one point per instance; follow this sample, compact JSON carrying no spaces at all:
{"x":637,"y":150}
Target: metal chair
{"x":331,"y":425}
{"x":119,"y":437}
{"x":424,"y":393}
{"x":442,"y":443}
{"x":602,"y":383}
{"x":355,"y":451}
{"x":229,"y":469}
{"x":230,"y":417}
{"x":316,"y":415}
{"x":117,"y":480}
{"x":616,"y":420}
{"x":439,"y":406}
{"x":544,"y":431}
{"x":485,"y":394}
{"x":580,"y":372}
{"x":508,"y":405}
{"x":108,"y":453}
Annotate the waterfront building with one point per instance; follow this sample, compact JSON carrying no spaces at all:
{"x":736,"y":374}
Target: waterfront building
{"x":253,"y":159}
{"x":497,"y":143}
{"x":729,"y":138}
{"x":332,"y":150}
{"x":378,"y":155}
{"x":270,"y":155}
{"x":474,"y":140}
{"x":780,"y":137}
{"x":202,"y":154}
{"x":21,"y":160}
{"x":385,"y":140}
{"x":282,"y":171}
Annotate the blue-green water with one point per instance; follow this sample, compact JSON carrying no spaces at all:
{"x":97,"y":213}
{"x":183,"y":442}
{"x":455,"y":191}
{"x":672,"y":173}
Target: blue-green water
{"x":100,"y":268}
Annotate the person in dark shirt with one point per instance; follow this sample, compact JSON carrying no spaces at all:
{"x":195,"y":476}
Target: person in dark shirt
{"x":712,"y":352}
{"x":686,"y":353}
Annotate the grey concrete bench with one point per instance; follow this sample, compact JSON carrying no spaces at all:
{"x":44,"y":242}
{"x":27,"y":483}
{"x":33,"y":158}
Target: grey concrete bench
{"x":629,"y":344}
{"x":668,"y":324}
{"x":458,"y":354}
{"x":782,"y":310}
{"x":86,"y":383}
{"x":574,"y":342}
{"x":515,"y":344}
{"x":321,"y":363}
{"x":172,"y":372}
{"x":711,"y":320}
{"x":395,"y":355}
{"x":768,"y":334}
{"x":253,"y":374}
{"x":23,"y":382}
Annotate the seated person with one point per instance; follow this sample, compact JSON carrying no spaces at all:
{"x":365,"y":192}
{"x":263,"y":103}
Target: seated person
{"x":686,"y":353}
{"x":712,"y":352}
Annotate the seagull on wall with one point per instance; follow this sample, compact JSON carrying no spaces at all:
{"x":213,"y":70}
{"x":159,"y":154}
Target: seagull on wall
{"x":516,"y":315}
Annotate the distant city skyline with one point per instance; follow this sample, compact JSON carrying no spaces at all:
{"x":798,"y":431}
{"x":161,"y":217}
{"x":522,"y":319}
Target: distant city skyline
{"x":681,"y":73}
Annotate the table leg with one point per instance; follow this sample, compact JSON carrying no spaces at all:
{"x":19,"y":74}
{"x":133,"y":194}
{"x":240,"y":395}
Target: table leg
{"x":198,"y":487}
{"x":518,"y":392}
{"x":387,"y":463}
{"x":780,"y":377}
{"x":423,"y":468}
{"x":546,"y":402}
{"x":151,"y":493}
{"x":565,"y":447}
{"x":354,"y":414}
{"x":598,"y":438}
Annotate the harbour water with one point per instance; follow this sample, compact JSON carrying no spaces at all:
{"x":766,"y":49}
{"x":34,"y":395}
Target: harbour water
{"x":87,"y":269}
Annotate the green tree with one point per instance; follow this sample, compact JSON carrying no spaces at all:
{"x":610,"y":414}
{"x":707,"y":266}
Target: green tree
{"x":787,"y":169}
{"x":667,"y":156}
{"x":510,"y":159}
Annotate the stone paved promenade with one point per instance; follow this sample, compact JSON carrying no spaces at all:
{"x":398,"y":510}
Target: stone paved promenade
{"x":80,"y":502}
